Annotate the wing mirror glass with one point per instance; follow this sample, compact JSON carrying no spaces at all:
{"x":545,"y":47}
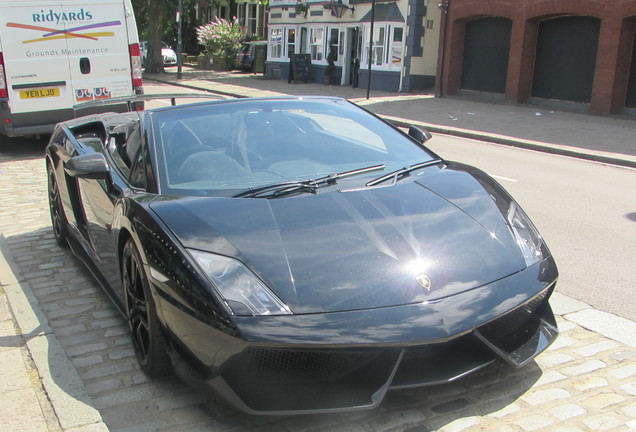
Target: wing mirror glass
{"x":88,"y":166}
{"x":419,"y":135}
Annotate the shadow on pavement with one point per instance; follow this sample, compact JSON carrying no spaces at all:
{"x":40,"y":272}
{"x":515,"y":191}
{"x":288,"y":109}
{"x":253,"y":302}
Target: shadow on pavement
{"x":22,"y":148}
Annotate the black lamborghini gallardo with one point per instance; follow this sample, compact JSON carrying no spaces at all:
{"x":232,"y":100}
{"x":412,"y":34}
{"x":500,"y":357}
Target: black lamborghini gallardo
{"x":298,"y":254}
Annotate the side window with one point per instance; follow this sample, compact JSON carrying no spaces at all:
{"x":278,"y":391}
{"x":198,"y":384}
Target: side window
{"x":128,"y":156}
{"x":116,"y":148}
{"x":61,"y":139}
{"x":137,"y":176}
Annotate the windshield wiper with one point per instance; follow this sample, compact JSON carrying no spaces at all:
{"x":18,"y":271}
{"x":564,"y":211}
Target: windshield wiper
{"x":402,"y":172}
{"x":280,"y":189}
{"x":277,"y":189}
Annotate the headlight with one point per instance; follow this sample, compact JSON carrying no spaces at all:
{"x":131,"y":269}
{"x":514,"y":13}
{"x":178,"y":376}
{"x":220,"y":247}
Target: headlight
{"x":527,"y":236}
{"x":243,"y":292}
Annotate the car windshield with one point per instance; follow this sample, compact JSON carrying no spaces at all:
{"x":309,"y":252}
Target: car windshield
{"x":225,"y":148}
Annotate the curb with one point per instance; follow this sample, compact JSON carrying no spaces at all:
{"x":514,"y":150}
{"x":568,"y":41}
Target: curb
{"x":595,"y":156}
{"x":590,"y":155}
{"x":73,"y":407}
{"x":606,"y":324}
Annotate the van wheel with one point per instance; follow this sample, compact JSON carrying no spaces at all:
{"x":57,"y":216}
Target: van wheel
{"x":58,"y":219}
{"x":147,"y":338}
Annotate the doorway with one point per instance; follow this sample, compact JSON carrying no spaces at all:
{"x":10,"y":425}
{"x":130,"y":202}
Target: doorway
{"x":351,"y":63}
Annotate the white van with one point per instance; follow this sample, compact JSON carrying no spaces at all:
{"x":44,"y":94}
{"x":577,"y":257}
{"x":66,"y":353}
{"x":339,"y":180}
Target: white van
{"x":55,"y":54}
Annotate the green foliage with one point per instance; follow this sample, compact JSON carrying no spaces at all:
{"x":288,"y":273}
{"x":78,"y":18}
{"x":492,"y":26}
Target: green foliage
{"x":301,"y":8}
{"x":223,"y":38}
{"x":169,"y":24}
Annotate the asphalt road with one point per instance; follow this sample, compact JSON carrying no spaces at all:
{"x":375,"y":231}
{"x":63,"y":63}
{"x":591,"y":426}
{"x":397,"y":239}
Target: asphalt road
{"x":586,"y":212}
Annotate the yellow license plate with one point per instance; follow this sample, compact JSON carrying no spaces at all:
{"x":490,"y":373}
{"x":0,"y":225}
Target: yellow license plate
{"x":39,"y":93}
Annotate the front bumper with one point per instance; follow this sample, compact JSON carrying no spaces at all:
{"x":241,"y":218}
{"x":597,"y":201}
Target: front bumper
{"x":348,"y":361}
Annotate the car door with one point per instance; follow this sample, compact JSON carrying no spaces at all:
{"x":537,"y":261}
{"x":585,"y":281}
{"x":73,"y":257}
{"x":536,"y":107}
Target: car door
{"x":63,"y":146}
{"x":100,"y":198}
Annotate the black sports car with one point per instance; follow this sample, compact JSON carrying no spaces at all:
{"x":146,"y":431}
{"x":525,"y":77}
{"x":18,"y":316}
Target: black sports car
{"x":298,"y":254}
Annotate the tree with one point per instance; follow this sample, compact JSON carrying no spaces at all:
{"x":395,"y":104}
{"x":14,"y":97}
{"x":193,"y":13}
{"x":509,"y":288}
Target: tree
{"x":154,"y":60}
{"x":146,"y":13}
{"x":188,"y":27}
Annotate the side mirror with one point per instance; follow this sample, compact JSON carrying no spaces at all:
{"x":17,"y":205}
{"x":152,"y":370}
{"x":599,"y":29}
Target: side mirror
{"x":88,"y":166}
{"x":419,"y":135}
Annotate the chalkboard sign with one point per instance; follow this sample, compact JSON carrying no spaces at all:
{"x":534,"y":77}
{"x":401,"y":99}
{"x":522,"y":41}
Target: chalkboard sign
{"x":300,"y":68}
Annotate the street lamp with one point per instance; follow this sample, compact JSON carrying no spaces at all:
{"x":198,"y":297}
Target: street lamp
{"x":370,"y":56}
{"x":338,"y":8}
{"x":179,"y":41}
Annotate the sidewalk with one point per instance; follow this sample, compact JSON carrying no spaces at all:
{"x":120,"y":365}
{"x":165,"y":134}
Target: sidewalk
{"x":603,"y":139}
{"x":587,"y":378}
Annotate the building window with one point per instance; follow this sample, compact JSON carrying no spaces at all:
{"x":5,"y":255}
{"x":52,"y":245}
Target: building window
{"x":247,"y":17}
{"x":252,"y":10}
{"x":317,"y":43}
{"x":334,"y":42}
{"x":396,"y":46}
{"x":387,"y":49}
{"x":429,"y":24}
{"x":291,"y":42}
{"x":276,"y":42}
{"x":377,"y":54}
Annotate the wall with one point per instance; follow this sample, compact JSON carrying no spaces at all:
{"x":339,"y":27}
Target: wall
{"x":614,"y":52}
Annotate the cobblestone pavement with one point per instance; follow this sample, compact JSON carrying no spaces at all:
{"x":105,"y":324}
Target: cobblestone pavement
{"x":584,"y":382}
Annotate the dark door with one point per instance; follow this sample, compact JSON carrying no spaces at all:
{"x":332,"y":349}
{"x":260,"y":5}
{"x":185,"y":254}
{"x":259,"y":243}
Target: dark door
{"x":353,"y":56}
{"x":486,"y":48}
{"x":630,"y":100}
{"x":566,"y":58}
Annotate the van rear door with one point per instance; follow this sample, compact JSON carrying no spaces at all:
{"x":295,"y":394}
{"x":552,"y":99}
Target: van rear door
{"x":98,"y":49}
{"x":37,"y":73}
{"x":60,"y":53}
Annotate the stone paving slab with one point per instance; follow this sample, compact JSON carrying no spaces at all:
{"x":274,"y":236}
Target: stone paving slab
{"x":584,"y":382}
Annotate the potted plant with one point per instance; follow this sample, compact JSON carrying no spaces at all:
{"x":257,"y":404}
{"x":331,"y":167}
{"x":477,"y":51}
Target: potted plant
{"x":302,"y":8}
{"x":330,"y":70}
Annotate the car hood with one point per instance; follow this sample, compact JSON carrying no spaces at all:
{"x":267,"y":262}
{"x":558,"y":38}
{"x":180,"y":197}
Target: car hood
{"x":428,"y":237}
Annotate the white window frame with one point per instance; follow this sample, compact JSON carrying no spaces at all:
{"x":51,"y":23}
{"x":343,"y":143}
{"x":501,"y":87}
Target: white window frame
{"x":247,"y":16}
{"x":276,"y":43}
{"x":396,"y":47}
{"x":317,"y":43}
{"x":294,"y":44}
{"x":282,"y":47}
{"x":337,"y":45}
{"x":385,"y":49}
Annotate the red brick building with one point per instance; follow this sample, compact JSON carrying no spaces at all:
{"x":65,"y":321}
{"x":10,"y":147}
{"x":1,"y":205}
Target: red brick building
{"x":579,"y":52}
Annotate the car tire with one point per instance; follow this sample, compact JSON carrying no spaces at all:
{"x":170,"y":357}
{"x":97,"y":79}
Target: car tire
{"x":148,"y":341}
{"x":58,"y":219}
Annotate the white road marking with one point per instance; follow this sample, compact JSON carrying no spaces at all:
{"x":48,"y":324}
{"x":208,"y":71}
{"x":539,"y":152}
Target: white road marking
{"x":503,"y":178}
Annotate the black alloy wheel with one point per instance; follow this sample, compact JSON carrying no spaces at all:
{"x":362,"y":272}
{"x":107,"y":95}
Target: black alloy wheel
{"x":58,"y":220}
{"x":147,"y":337}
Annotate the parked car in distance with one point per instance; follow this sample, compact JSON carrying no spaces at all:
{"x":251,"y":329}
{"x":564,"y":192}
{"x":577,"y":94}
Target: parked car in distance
{"x":168,"y":54}
{"x":296,"y":255}
{"x":247,"y":55}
